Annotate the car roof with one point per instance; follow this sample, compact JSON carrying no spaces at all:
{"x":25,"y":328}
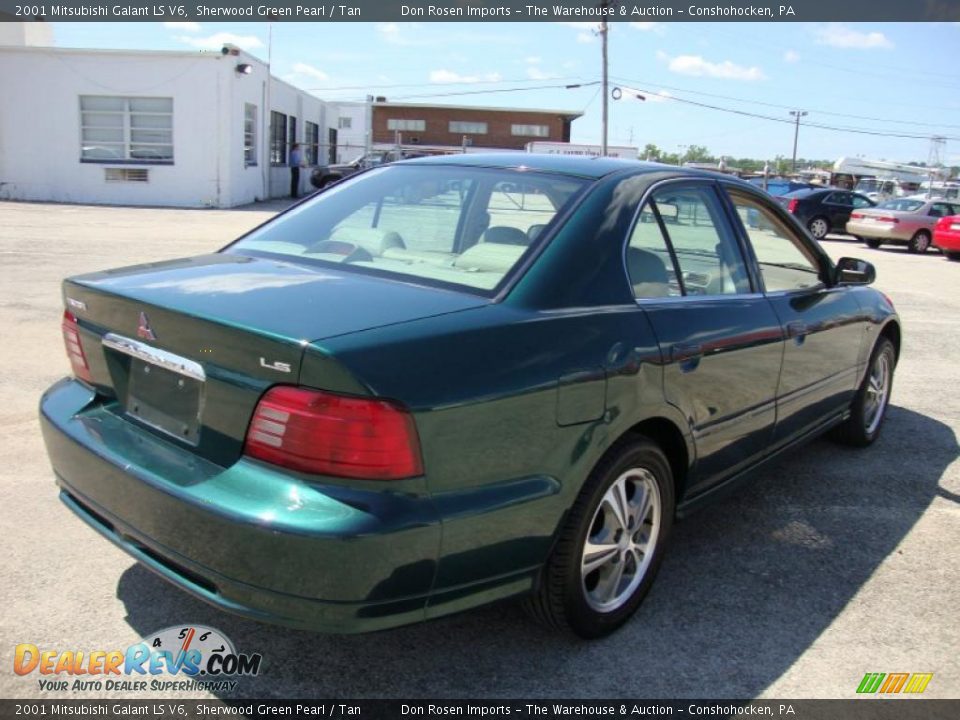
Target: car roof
{"x":589,"y":167}
{"x":808,"y":192}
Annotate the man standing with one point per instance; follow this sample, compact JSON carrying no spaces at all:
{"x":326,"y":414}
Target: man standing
{"x":296,"y":162}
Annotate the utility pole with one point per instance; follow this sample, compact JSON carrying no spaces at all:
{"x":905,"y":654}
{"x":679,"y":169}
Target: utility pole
{"x":796,"y":134}
{"x":605,"y":81}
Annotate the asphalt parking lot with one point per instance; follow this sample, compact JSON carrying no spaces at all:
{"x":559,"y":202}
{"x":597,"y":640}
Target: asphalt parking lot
{"x":832,"y":564}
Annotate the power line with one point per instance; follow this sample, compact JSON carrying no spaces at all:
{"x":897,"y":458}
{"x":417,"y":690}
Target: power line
{"x":821,"y":126}
{"x":789,"y":107}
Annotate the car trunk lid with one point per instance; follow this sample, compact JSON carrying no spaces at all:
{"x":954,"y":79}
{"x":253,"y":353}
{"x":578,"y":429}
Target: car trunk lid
{"x":187,"y":347}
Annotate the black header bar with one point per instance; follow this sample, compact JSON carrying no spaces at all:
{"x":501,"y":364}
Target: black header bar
{"x":483,"y":10}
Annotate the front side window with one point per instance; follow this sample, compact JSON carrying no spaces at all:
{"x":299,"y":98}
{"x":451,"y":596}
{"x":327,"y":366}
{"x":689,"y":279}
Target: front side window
{"x":786,"y":262}
{"x":464,"y":127}
{"x":126,"y":128}
{"x":449,"y":225}
{"x":683,"y":229}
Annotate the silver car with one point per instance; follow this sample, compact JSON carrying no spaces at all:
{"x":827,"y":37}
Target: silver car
{"x":903,"y":221}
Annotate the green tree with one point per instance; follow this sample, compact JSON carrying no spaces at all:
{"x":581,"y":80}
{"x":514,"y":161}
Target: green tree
{"x":650,"y":152}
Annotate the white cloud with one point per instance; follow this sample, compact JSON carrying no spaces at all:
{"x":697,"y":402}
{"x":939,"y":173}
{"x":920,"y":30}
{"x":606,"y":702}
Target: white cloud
{"x":218,"y":40}
{"x":534,"y":59}
{"x":840,"y":36}
{"x":449,"y":77}
{"x":184,"y":26}
{"x":791,"y":56}
{"x":585,"y":38}
{"x":310,"y":71}
{"x":698,"y":67}
{"x":644,"y":26}
{"x":535,"y":73}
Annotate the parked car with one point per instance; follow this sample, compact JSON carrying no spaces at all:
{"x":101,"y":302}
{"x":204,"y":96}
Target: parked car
{"x":902,"y":221}
{"x":824,"y":211}
{"x":946,"y":236}
{"x":368,"y":412}
{"x":778,"y":187}
{"x":324,"y":175}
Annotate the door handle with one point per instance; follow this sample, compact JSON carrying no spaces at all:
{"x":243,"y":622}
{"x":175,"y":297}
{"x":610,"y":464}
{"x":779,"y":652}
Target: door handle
{"x":796,"y":328}
{"x":686,"y":352}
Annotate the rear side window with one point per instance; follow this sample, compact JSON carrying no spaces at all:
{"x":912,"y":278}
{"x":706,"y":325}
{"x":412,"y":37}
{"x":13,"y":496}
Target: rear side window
{"x":682,"y":245}
{"x":786,"y":263}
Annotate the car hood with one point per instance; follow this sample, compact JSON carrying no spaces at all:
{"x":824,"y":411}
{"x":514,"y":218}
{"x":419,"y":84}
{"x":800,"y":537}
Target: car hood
{"x":281,"y":299}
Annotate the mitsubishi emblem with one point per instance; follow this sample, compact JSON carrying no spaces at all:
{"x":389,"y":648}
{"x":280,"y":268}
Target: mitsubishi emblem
{"x":143,"y":329}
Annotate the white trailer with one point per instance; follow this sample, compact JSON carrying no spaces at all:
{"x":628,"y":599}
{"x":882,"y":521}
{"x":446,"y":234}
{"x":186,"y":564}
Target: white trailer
{"x":561,"y":148}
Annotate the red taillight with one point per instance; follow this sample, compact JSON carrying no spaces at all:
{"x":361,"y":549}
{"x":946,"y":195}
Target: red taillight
{"x":885,"y":218}
{"x":792,"y":205}
{"x":327,"y":434}
{"x":856,"y":216}
{"x":71,"y":338}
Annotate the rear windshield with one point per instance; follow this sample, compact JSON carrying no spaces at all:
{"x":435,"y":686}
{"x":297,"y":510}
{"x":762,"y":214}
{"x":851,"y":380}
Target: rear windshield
{"x":462,"y":226}
{"x":902,"y":205}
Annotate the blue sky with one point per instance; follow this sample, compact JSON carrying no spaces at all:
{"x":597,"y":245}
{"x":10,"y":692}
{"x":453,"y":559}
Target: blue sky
{"x":893,"y":78}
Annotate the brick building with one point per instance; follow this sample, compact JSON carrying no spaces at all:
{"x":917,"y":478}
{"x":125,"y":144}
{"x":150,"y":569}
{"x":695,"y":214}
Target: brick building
{"x":483,"y":127}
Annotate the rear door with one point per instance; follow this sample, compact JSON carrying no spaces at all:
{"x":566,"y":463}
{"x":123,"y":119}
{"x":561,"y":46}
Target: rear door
{"x":720,"y":340}
{"x":825,"y":326}
{"x":838,"y":206}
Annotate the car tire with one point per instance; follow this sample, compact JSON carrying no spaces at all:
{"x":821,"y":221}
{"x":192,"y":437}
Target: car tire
{"x":920,"y":242}
{"x":869,"y":407}
{"x":627,"y":505}
{"x":873,"y":243}
{"x":952,"y":255}
{"x":819,"y":227}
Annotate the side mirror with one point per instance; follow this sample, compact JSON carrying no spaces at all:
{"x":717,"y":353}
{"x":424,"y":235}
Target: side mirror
{"x":851,"y":271}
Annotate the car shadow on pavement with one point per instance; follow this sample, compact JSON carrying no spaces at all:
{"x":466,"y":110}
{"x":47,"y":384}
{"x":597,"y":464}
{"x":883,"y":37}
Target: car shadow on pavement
{"x":748,"y":585}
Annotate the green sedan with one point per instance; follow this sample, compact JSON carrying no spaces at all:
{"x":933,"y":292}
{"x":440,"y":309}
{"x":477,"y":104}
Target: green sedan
{"x":452,"y":380}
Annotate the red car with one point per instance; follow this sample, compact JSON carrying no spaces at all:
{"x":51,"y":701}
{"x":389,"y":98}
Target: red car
{"x":946,"y":236}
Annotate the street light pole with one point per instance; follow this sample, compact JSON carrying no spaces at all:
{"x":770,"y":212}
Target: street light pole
{"x":604,"y":32}
{"x":796,"y":134}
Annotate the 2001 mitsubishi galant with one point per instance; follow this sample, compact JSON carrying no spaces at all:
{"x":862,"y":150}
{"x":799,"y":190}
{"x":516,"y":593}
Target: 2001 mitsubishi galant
{"x":458,"y":379}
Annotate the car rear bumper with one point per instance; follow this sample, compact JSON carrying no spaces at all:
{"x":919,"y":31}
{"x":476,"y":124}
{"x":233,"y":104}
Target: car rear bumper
{"x":947,"y":240}
{"x":246,"y":538}
{"x":885,"y":231}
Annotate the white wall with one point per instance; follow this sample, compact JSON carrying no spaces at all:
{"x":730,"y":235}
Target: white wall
{"x":26,"y":33}
{"x":353,"y":141}
{"x":40,"y":126}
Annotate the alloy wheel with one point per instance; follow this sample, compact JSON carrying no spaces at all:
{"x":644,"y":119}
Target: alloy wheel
{"x":623,"y":534}
{"x":819,"y":228}
{"x":878,"y":391}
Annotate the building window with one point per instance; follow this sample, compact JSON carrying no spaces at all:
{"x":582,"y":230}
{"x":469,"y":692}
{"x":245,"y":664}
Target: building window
{"x":292,"y":131}
{"x":311,"y":139}
{"x":278,"y":138}
{"x":530,"y":130}
{"x":249,"y":135}
{"x":405,"y":124}
{"x":345,"y":123}
{"x":126,"y":128}
{"x":462,"y":127}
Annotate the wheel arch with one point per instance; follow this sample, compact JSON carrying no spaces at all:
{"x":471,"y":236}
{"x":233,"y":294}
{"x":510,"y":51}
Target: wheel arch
{"x":675,"y":445}
{"x":893,"y":333}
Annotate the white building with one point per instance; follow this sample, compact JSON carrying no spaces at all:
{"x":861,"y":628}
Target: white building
{"x":184,"y":129}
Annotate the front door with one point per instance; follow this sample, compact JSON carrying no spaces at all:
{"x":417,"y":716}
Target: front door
{"x":824,"y":326}
{"x":720,"y":340}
